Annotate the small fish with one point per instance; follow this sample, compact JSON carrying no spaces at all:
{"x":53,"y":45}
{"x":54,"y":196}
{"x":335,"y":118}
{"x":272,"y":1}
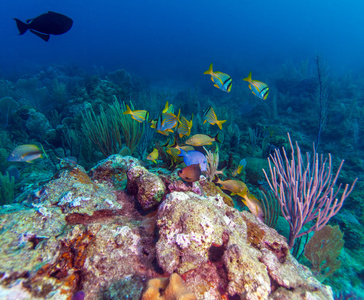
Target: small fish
{"x":165,"y":123}
{"x":168,"y":108}
{"x":259,"y":89}
{"x":194,"y":157}
{"x":46,"y":24}
{"x":158,"y":126}
{"x":236,"y":187}
{"x":137,"y":115}
{"x":202,"y":140}
{"x":221,"y":80}
{"x":242,"y":165}
{"x":27,"y":153}
{"x":190,"y":173}
{"x":253,"y":205}
{"x":184,"y":127}
{"x":210,"y":116}
{"x":169,"y":120}
{"x":153,"y":156}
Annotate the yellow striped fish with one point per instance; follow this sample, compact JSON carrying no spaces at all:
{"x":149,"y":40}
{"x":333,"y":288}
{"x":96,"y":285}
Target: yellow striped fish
{"x":210,"y":116}
{"x":259,"y":89}
{"x":137,"y":115}
{"x":184,"y":127}
{"x":221,"y":80}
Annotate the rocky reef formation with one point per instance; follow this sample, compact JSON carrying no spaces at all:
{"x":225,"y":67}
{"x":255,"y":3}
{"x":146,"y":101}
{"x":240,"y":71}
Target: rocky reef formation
{"x":116,"y":231}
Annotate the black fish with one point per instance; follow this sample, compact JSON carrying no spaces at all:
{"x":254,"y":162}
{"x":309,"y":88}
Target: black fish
{"x":46,"y":24}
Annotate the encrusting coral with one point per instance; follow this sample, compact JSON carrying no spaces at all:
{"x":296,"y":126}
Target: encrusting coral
{"x":172,"y":288}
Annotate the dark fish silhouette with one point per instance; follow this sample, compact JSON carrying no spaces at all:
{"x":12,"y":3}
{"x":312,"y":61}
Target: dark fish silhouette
{"x":46,"y":24}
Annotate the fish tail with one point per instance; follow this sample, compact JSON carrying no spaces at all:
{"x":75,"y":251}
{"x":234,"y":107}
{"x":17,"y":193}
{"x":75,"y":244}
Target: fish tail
{"x":22,"y":27}
{"x":45,"y":154}
{"x":219,"y":123}
{"x":209,"y":71}
{"x":182,"y":152}
{"x":128,"y":110}
{"x":217,"y":137}
{"x":249,"y":78}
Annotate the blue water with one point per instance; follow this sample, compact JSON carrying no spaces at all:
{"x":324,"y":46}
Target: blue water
{"x":177,"y":40}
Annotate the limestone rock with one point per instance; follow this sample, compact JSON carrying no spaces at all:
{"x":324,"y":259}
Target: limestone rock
{"x":244,"y":253}
{"x":148,"y":187}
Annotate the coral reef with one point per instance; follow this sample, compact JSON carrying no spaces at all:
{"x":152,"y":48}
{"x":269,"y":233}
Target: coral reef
{"x":84,"y":232}
{"x":108,"y":230}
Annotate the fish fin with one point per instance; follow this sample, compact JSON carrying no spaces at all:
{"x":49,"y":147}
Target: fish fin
{"x":249,"y":78}
{"x":250,"y":87}
{"x":165,"y":108}
{"x":44,"y":37}
{"x":174,"y":144}
{"x":244,"y":201}
{"x":219,"y":123}
{"x":163,"y":132}
{"x":22,"y":27}
{"x":209,"y":71}
{"x":45,"y":154}
{"x":154,"y":161}
{"x":215,"y":85}
{"x":128,"y":110}
{"x":222,"y":172}
{"x":255,"y":94}
{"x":217,"y":137}
{"x":140,"y":121}
{"x":182,"y":152}
{"x":229,"y":88}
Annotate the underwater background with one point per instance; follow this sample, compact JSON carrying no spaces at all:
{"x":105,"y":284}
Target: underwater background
{"x":307,"y":54}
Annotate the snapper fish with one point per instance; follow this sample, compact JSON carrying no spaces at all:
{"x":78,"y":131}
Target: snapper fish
{"x":236,"y":187}
{"x":45,"y":24}
{"x":259,"y":89}
{"x":210,"y":116}
{"x":137,"y":115}
{"x":202,"y":140}
{"x":26,"y":153}
{"x":253,"y":205}
{"x":221,"y":80}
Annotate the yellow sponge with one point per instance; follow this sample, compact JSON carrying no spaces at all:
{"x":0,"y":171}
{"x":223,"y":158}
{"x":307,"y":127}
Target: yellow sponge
{"x":172,"y":288}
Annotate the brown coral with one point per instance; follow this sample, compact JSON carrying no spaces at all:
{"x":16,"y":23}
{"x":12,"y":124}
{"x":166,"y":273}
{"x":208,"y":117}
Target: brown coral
{"x":172,"y":288}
